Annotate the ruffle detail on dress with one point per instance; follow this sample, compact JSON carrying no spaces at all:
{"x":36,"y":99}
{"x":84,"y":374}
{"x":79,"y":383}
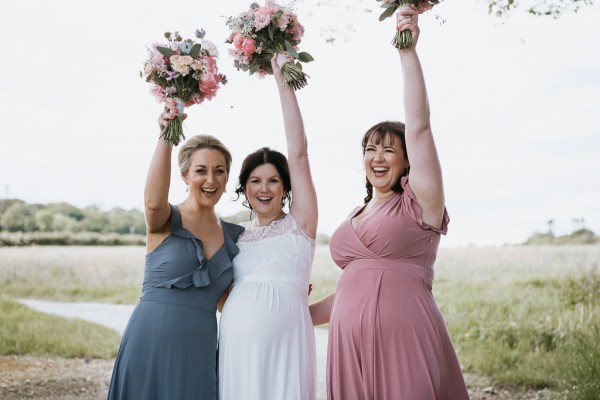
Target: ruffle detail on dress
{"x":233,"y":231}
{"x":414,"y":211}
{"x":200,"y":277}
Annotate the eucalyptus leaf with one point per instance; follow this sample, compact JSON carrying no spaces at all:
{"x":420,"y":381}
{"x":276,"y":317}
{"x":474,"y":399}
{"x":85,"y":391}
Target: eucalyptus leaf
{"x":271,"y":29}
{"x":165,"y":51}
{"x":290,"y":49}
{"x":253,"y":68}
{"x":387,"y":13}
{"x":305,"y":57}
{"x":388,"y":5}
{"x":195,"y":51}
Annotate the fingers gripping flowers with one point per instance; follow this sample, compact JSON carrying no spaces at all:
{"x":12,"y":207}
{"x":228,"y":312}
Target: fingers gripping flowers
{"x":261,"y":32}
{"x":184,"y":70}
{"x":403,"y":38}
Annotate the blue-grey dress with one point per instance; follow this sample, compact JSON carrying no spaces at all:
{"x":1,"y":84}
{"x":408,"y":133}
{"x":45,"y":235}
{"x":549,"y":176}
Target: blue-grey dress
{"x":169,"y":347}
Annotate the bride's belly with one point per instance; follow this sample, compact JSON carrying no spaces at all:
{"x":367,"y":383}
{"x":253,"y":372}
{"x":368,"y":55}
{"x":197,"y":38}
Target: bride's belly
{"x":265,"y":307}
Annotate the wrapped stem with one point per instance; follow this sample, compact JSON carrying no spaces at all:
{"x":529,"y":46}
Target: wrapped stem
{"x":403,"y":40}
{"x":292,"y":73}
{"x":173,"y":132}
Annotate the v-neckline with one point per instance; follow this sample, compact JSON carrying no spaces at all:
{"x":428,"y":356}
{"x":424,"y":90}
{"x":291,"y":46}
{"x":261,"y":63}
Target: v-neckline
{"x":200,"y":242}
{"x":361,"y":209}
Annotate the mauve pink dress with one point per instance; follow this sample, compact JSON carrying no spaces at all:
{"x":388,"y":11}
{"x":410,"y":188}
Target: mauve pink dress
{"x":387,"y":337}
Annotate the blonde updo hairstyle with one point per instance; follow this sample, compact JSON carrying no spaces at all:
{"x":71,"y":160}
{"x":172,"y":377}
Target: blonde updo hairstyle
{"x":201,"y":142}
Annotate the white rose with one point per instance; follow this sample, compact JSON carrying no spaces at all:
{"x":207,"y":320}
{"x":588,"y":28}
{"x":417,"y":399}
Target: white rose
{"x":181,"y":63}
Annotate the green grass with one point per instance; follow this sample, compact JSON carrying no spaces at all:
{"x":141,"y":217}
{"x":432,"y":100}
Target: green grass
{"x":24,"y":331}
{"x":525,"y":316}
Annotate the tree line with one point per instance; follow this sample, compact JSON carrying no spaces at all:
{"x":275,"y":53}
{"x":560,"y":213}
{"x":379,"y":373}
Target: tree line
{"x":18,"y":216}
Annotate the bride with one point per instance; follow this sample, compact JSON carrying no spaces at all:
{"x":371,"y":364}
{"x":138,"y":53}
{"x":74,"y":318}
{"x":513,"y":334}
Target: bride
{"x":266,"y":343}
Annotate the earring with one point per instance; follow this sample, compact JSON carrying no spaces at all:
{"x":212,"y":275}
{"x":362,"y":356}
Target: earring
{"x":187,"y":188}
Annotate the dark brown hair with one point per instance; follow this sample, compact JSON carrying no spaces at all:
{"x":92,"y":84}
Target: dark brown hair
{"x":378,"y":133}
{"x":262,"y":156}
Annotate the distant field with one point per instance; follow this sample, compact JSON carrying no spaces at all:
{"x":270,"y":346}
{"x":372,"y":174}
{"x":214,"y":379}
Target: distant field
{"x":73,"y":273}
{"x":526,"y":316}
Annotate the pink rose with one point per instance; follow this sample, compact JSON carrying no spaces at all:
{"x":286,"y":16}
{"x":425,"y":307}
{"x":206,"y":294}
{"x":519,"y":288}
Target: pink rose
{"x":249,"y":46}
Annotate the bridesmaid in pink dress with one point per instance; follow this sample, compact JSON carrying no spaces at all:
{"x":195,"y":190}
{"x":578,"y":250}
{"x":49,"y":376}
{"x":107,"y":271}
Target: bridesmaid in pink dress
{"x":387,"y":337}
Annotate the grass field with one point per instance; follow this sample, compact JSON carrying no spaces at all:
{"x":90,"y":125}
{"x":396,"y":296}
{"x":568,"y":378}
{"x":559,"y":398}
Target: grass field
{"x":523,"y":316}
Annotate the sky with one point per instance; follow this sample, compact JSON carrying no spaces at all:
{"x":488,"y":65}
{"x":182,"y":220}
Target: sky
{"x":515,"y":107}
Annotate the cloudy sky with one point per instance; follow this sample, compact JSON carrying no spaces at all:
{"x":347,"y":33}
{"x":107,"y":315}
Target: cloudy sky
{"x":515,"y":107}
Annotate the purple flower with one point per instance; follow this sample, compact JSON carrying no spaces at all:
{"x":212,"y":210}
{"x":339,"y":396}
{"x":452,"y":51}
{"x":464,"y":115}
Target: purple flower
{"x":171,"y":75}
{"x":200,"y":33}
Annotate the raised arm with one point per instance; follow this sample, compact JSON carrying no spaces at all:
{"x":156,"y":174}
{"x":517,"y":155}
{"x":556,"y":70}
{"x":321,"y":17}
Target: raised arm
{"x":304,"y":206}
{"x":156,"y":191}
{"x":425,"y":170}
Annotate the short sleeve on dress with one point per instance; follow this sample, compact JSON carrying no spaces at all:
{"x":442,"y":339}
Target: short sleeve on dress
{"x":413,"y":209}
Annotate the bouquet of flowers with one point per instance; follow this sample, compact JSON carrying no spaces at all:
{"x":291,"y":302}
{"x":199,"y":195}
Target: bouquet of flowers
{"x":403,"y":40}
{"x":261,"y":32}
{"x":184,"y":70}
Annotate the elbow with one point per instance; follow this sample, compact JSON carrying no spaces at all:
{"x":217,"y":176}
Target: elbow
{"x":150,"y":205}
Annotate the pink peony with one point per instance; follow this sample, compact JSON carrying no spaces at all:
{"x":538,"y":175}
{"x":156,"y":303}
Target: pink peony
{"x":210,"y":79}
{"x":249,"y":46}
{"x":237,"y":40}
{"x":209,"y":84}
{"x":211,"y":65}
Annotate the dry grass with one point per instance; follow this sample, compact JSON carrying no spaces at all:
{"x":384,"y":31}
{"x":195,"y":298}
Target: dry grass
{"x":73,"y":273}
{"x":522,"y":316}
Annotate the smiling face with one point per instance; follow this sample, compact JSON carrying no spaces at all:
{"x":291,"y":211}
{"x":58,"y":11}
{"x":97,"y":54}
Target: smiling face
{"x":385,"y":161}
{"x":206,"y":176}
{"x":264,"y":191}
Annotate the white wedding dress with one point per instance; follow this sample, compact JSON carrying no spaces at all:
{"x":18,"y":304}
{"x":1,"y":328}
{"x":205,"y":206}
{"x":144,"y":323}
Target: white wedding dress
{"x":266,"y":338}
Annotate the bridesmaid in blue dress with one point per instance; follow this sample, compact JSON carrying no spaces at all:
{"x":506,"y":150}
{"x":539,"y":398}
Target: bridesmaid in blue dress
{"x":169,"y":348}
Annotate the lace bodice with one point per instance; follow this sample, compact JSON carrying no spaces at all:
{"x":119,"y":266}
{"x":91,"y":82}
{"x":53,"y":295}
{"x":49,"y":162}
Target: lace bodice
{"x":280,"y":250}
